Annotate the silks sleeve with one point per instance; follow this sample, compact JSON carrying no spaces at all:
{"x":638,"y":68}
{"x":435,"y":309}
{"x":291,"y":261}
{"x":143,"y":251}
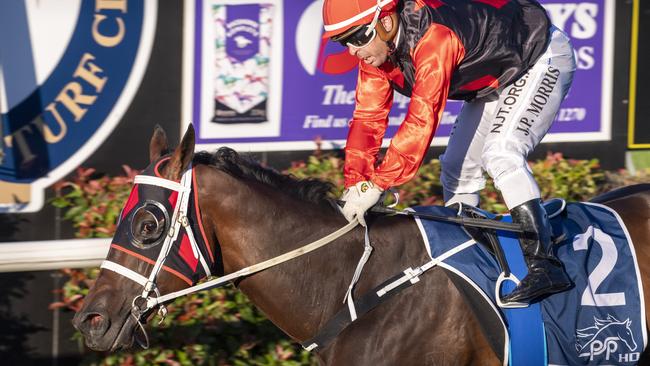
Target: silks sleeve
{"x":374,"y":98}
{"x":435,"y":58}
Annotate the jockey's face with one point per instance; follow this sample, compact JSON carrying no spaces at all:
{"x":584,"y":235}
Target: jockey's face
{"x":375,"y":53}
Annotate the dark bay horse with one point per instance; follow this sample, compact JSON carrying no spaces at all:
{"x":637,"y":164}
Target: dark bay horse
{"x":250,"y":214}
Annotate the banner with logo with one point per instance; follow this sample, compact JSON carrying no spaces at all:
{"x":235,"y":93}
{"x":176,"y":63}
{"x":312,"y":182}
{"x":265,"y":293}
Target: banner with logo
{"x":241,"y":53}
{"x":309,"y":83}
{"x":68,"y":71}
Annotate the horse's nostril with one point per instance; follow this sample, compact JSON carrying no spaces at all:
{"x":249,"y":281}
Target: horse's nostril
{"x":94,"y":323}
{"x":95,"y":320}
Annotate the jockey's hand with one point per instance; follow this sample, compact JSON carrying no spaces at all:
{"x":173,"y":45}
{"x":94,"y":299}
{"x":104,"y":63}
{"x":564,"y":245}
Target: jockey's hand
{"x":359,"y":198}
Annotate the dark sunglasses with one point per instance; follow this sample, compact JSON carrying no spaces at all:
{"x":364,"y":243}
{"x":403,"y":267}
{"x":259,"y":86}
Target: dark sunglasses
{"x":360,"y":38}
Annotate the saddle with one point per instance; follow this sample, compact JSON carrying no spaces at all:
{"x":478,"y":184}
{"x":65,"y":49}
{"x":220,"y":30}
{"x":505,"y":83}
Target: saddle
{"x":601,"y":320}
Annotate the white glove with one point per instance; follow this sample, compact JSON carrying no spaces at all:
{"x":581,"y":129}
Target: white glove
{"x":360,"y":198}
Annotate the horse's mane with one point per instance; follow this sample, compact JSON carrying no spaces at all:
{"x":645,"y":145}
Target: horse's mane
{"x":245,"y":167}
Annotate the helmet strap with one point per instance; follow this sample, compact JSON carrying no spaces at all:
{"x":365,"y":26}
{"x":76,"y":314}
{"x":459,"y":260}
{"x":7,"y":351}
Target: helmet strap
{"x":375,"y":18}
{"x":387,"y":36}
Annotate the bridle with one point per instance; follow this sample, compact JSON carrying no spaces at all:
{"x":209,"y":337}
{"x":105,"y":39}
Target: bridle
{"x":179,"y":219}
{"x":150,"y":297}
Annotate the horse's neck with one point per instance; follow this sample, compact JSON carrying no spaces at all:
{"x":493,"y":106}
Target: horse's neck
{"x":255,"y":224}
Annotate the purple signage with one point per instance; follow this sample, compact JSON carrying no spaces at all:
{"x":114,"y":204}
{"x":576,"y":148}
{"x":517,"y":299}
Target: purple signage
{"x":242,"y":30}
{"x":311,"y":83}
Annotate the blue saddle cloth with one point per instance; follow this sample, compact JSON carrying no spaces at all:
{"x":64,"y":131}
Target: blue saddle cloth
{"x":600,"y":321}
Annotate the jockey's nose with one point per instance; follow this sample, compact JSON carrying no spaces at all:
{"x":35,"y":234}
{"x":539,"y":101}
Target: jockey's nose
{"x":353,"y":50}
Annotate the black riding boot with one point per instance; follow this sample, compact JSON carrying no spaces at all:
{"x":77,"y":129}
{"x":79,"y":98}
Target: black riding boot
{"x":546,"y":274}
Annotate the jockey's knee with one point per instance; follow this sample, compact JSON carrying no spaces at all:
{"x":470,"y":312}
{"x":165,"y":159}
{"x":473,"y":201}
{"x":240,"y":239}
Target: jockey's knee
{"x":463,"y":176}
{"x":501,"y":158}
{"x":512,"y":177}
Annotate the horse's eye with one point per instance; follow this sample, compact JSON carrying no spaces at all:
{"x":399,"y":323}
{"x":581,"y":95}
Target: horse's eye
{"x":148,"y":228}
{"x":148,"y":225}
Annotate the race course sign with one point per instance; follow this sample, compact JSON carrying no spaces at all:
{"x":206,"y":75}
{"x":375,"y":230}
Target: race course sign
{"x":68,"y":71}
{"x":285,"y":87}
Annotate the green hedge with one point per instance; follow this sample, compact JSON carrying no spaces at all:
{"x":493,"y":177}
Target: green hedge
{"x":221,"y":327}
{"x":574,"y":180}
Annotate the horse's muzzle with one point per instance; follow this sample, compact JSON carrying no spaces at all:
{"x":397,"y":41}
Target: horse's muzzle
{"x":100,"y":334}
{"x":103,"y":322}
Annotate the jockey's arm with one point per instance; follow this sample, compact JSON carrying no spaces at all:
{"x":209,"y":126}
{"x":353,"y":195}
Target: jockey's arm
{"x":435,"y":58}
{"x":374,"y":98}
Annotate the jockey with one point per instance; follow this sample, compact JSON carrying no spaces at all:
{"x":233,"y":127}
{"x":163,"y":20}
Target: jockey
{"x":509,"y":65}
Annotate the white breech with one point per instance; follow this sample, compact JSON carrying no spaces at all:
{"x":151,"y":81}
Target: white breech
{"x":497,"y":136}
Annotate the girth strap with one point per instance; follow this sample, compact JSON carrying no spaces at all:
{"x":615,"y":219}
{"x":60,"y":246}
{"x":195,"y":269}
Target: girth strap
{"x":373,"y":298}
{"x":367,"y":302}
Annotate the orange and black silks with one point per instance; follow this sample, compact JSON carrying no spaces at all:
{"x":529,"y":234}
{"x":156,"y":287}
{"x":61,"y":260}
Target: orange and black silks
{"x":464,"y":50}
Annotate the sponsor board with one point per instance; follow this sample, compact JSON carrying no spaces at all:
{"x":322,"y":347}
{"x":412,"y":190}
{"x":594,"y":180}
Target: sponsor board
{"x":311,"y":82}
{"x":68,"y":72}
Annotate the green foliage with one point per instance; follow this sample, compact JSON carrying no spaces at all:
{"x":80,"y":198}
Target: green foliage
{"x":220,"y":326}
{"x":574,"y":180}
{"x":324,"y":167}
{"x":93,"y":203}
{"x":424,"y":189}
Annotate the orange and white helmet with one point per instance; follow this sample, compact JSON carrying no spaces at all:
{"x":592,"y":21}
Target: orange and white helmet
{"x":340,"y":16}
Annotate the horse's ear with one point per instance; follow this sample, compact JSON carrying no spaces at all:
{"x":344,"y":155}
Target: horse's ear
{"x":158,"y":145}
{"x":182,"y":156}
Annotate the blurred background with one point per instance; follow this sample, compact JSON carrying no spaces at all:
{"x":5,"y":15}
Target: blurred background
{"x":83,"y":83}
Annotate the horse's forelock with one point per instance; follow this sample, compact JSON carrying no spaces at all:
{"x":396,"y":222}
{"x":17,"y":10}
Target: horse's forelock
{"x":242,"y":166}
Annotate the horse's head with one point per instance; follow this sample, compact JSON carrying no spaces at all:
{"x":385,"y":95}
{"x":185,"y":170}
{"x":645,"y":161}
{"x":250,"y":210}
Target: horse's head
{"x":624,"y":332}
{"x":159,"y":247}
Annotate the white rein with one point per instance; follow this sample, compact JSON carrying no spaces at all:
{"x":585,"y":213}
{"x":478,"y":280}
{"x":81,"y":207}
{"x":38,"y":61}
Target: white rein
{"x":180,"y":218}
